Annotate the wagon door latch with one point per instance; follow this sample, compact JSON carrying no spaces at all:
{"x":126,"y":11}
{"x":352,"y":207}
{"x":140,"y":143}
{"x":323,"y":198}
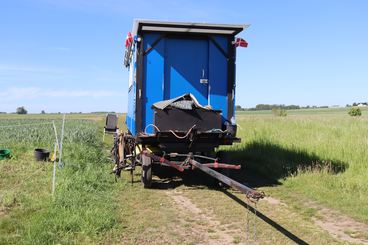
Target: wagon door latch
{"x":203,"y":80}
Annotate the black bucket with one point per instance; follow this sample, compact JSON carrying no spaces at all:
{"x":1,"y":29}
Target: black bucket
{"x":41,"y":154}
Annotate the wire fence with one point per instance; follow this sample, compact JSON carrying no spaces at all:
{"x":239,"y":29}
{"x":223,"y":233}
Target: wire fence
{"x":26,"y":132}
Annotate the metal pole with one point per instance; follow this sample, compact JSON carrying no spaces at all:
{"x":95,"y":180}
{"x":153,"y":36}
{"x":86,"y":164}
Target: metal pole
{"x":224,"y":179}
{"x":55,"y":149}
{"x":61,"y":143}
{"x":56,"y":135}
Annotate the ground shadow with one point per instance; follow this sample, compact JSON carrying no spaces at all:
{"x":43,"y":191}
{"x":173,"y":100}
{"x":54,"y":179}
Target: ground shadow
{"x":264,"y":163}
{"x":169,"y":178}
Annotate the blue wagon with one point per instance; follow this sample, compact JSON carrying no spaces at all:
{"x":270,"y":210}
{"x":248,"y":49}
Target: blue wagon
{"x":181,"y":99}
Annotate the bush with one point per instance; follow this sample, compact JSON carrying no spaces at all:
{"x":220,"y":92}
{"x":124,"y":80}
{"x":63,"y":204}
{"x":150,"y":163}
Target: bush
{"x":279,"y":112}
{"x":355,"y":112}
{"x":21,"y":110}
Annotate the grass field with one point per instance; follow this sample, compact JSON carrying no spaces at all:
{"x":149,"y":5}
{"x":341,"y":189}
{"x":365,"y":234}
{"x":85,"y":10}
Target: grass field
{"x":309,"y":156}
{"x":321,"y":154}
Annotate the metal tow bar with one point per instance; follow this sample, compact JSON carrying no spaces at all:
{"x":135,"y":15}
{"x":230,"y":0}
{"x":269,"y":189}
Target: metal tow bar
{"x":249,"y":192}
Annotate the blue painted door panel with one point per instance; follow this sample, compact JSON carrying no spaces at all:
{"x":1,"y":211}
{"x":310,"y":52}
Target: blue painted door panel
{"x":218,"y":75}
{"x":153,"y":77}
{"x":186,"y":63}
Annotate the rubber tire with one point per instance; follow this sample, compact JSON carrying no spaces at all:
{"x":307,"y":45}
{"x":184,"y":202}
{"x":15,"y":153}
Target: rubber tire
{"x":146,"y":176}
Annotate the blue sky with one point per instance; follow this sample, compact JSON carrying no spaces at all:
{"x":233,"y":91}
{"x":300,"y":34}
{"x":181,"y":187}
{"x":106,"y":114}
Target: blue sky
{"x":67,"y":55}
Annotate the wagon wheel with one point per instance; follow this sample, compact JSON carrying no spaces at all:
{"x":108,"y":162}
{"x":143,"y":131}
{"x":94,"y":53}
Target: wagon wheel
{"x":146,"y":176}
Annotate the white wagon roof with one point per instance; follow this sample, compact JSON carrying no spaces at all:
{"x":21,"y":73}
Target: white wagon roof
{"x":186,"y":27}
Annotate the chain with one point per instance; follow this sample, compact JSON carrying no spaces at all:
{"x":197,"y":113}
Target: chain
{"x":247,"y":226}
{"x":249,"y":206}
{"x":255,"y":223}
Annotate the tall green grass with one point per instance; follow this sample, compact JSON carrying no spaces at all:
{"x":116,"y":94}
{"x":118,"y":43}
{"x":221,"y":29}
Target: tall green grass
{"x":299,"y":151}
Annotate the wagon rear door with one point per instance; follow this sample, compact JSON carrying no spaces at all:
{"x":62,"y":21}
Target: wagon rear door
{"x":186,"y":68}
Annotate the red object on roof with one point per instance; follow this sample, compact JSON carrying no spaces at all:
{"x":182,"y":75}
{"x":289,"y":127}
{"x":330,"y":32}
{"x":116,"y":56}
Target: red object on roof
{"x":128,"y":40}
{"x":240,"y":42}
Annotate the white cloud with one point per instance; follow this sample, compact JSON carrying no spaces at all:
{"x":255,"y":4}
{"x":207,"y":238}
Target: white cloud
{"x":14,"y":93}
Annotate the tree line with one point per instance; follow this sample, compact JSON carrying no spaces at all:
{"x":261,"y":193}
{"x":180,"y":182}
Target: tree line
{"x":23,"y":110}
{"x":261,"y":107}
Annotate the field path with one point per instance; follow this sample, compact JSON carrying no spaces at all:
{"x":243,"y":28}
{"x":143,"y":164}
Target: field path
{"x":203,"y":223}
{"x":340,"y":226}
{"x":195,"y":214}
{"x":336,"y":224}
{"x":207,"y":214}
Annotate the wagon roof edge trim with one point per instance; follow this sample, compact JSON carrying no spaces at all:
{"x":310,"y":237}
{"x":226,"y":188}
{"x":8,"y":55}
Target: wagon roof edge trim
{"x":189,"y":27}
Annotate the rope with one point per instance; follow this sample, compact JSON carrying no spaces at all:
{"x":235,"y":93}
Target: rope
{"x":216,"y":130}
{"x":182,"y":137}
{"x":152,"y":125}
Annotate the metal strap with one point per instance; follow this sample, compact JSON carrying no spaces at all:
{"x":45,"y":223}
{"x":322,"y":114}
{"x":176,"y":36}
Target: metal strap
{"x":219,"y":47}
{"x":154,"y":44}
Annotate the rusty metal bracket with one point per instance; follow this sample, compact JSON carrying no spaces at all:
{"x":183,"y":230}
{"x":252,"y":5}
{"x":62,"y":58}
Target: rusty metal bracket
{"x":162,"y":160}
{"x":221,"y":165}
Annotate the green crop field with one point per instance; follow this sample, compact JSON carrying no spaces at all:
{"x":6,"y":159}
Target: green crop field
{"x":317,"y":156}
{"x":83,"y":206}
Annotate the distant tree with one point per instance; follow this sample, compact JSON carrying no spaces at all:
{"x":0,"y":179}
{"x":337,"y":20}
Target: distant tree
{"x":238,"y":108}
{"x":355,"y":112}
{"x":21,"y":110}
{"x":347,"y":105}
{"x":275,"y":106}
{"x":43,"y":112}
{"x":355,"y":104}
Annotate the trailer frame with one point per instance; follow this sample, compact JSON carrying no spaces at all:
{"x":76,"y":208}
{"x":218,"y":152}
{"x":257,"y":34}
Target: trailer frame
{"x":128,"y":155}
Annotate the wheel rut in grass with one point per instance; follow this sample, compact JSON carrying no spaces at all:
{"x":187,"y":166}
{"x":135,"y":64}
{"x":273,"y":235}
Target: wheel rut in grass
{"x":201,"y":223}
{"x":336,"y":224}
{"x":340,"y":226}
